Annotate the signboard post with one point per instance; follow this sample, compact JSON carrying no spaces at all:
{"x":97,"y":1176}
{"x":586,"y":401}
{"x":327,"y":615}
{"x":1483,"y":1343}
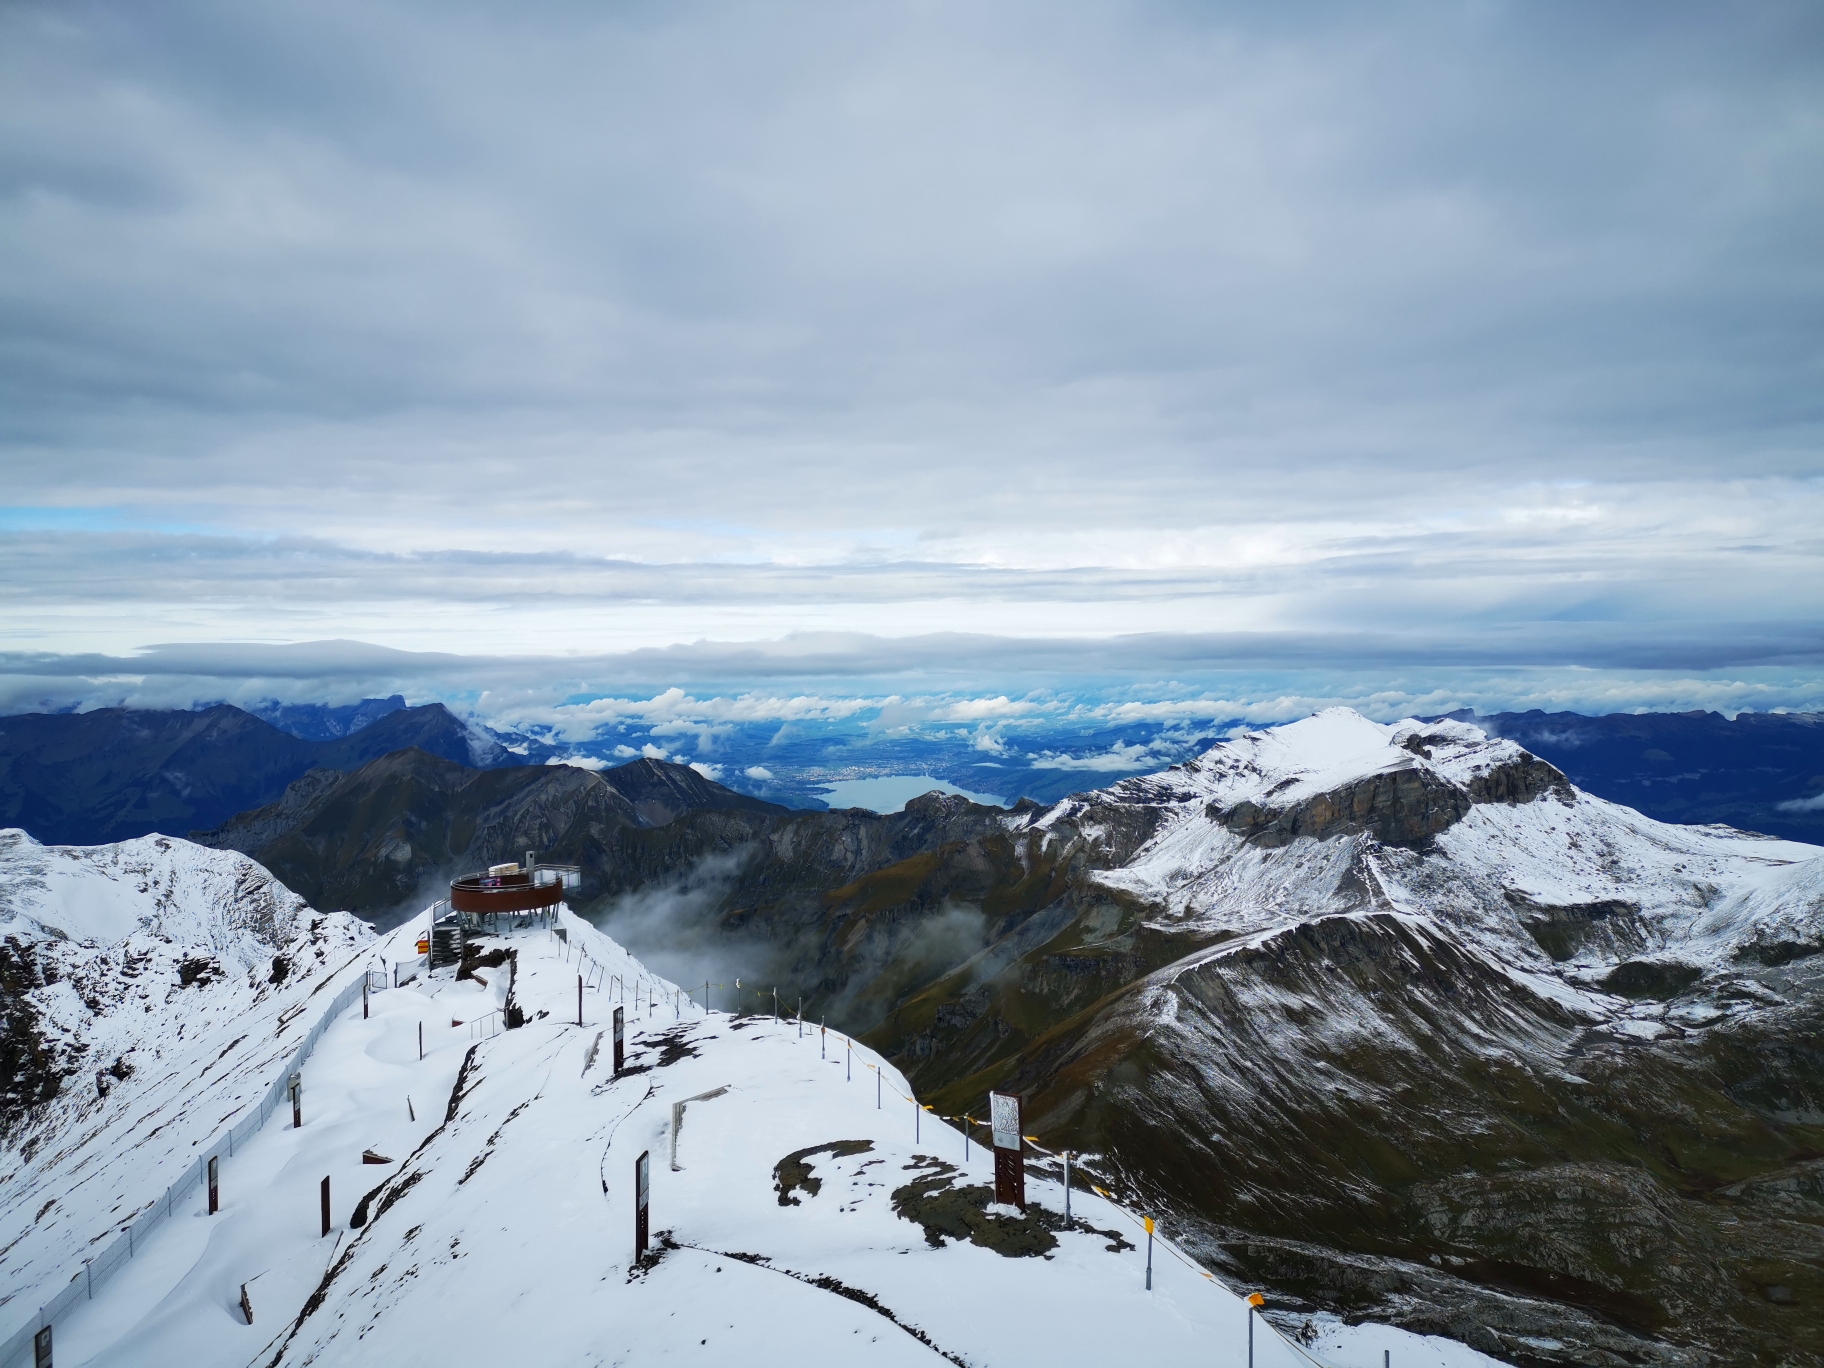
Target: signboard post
{"x":41,"y":1348}
{"x":215,"y":1192}
{"x":642,"y":1192}
{"x":324,"y":1191}
{"x":297,"y":1101}
{"x":1005,"y":1120}
{"x":620,"y":1046}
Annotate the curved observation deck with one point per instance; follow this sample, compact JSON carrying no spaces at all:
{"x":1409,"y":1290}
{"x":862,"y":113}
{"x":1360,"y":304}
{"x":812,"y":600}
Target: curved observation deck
{"x":512,"y":890}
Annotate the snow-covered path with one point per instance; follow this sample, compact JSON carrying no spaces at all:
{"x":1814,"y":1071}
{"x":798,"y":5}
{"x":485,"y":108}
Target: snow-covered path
{"x":515,"y":1244}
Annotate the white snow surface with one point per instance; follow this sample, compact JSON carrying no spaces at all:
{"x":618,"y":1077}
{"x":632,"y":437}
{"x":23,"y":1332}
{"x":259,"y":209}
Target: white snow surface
{"x":1702,"y":892}
{"x":112,"y":930}
{"x":516,"y":1243}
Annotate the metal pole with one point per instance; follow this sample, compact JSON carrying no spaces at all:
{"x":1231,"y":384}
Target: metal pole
{"x":849,"y":1067}
{"x":579,"y":999}
{"x":1149,"y":1260}
{"x":325,"y":1195}
{"x":823,"y":1041}
{"x":364,"y":999}
{"x":877,"y":1087}
{"x":1067,"y":1185}
{"x":1250,"y":1337}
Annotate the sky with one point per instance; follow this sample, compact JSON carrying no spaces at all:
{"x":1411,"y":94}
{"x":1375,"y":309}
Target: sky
{"x":1411,"y":355}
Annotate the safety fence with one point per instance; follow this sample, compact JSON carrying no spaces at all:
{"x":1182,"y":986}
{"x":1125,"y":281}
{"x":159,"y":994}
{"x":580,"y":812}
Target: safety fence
{"x":97,"y":1269}
{"x":1143,"y":1225}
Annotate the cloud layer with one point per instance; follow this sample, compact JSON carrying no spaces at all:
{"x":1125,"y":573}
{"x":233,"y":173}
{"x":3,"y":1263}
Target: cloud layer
{"x":974,"y":348}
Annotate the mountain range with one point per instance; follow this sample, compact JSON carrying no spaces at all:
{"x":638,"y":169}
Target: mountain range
{"x":1395,"y":1020}
{"x":115,"y":773}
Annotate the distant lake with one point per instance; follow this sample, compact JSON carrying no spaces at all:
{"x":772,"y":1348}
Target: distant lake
{"x":894,"y":791}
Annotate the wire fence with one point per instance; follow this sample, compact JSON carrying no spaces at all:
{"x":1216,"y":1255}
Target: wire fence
{"x":97,"y":1270}
{"x":969,"y":1125}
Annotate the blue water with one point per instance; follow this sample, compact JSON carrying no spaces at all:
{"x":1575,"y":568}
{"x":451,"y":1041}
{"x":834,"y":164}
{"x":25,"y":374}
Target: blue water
{"x":892,"y":792}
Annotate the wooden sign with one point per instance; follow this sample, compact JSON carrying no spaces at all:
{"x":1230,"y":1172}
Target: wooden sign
{"x":1005,"y":1120}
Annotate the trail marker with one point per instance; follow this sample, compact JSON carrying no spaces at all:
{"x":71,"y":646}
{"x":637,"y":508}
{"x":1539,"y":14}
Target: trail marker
{"x":41,"y":1348}
{"x":1009,"y":1156}
{"x":579,"y":999}
{"x":642,"y":1192}
{"x":215,"y":1191}
{"x":1255,"y":1302}
{"x":1067,"y":1185}
{"x":297,"y":1101}
{"x":1149,"y":1253}
{"x":325,"y":1196}
{"x":620,"y":1047}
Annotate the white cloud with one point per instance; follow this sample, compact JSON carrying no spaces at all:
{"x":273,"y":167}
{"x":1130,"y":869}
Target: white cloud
{"x":652,"y":752}
{"x":1815,"y":803}
{"x":710,"y":772}
{"x":588,"y":762}
{"x":758,"y":772}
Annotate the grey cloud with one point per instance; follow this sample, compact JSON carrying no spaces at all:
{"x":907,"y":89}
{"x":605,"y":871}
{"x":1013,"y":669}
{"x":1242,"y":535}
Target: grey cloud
{"x":1263,"y":337}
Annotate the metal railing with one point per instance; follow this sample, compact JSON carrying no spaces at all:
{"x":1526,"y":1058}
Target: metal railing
{"x":101,"y":1266}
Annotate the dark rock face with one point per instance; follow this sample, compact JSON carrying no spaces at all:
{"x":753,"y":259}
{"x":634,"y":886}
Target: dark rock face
{"x":1662,"y":979}
{"x":1565,"y":930}
{"x":1398,"y":808}
{"x":1401,"y":807}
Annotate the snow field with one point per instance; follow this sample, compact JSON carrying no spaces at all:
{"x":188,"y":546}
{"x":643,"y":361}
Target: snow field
{"x":516,"y":1244}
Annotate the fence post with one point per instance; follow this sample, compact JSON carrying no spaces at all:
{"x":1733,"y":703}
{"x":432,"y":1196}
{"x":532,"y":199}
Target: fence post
{"x":1067,"y":1185}
{"x":579,"y":999}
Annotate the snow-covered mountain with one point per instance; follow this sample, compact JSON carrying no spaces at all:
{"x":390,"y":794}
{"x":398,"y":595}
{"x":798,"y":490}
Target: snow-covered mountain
{"x":804,"y":1211}
{"x":1396,"y":1019}
{"x":150,"y":991}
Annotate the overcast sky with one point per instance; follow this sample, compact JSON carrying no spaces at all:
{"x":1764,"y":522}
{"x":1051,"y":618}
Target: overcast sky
{"x":1411,"y":344}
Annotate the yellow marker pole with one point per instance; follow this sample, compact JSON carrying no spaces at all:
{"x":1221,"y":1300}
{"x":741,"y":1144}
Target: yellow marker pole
{"x":1149,"y":1257}
{"x":1255,"y":1302}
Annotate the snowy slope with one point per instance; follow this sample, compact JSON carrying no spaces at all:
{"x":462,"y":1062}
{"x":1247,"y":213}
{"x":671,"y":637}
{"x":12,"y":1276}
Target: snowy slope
{"x":1498,"y":873}
{"x":151,"y":990}
{"x":503,"y":1230}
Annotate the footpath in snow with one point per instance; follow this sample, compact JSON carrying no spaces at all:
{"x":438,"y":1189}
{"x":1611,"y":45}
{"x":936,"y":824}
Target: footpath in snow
{"x":803,"y":1223}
